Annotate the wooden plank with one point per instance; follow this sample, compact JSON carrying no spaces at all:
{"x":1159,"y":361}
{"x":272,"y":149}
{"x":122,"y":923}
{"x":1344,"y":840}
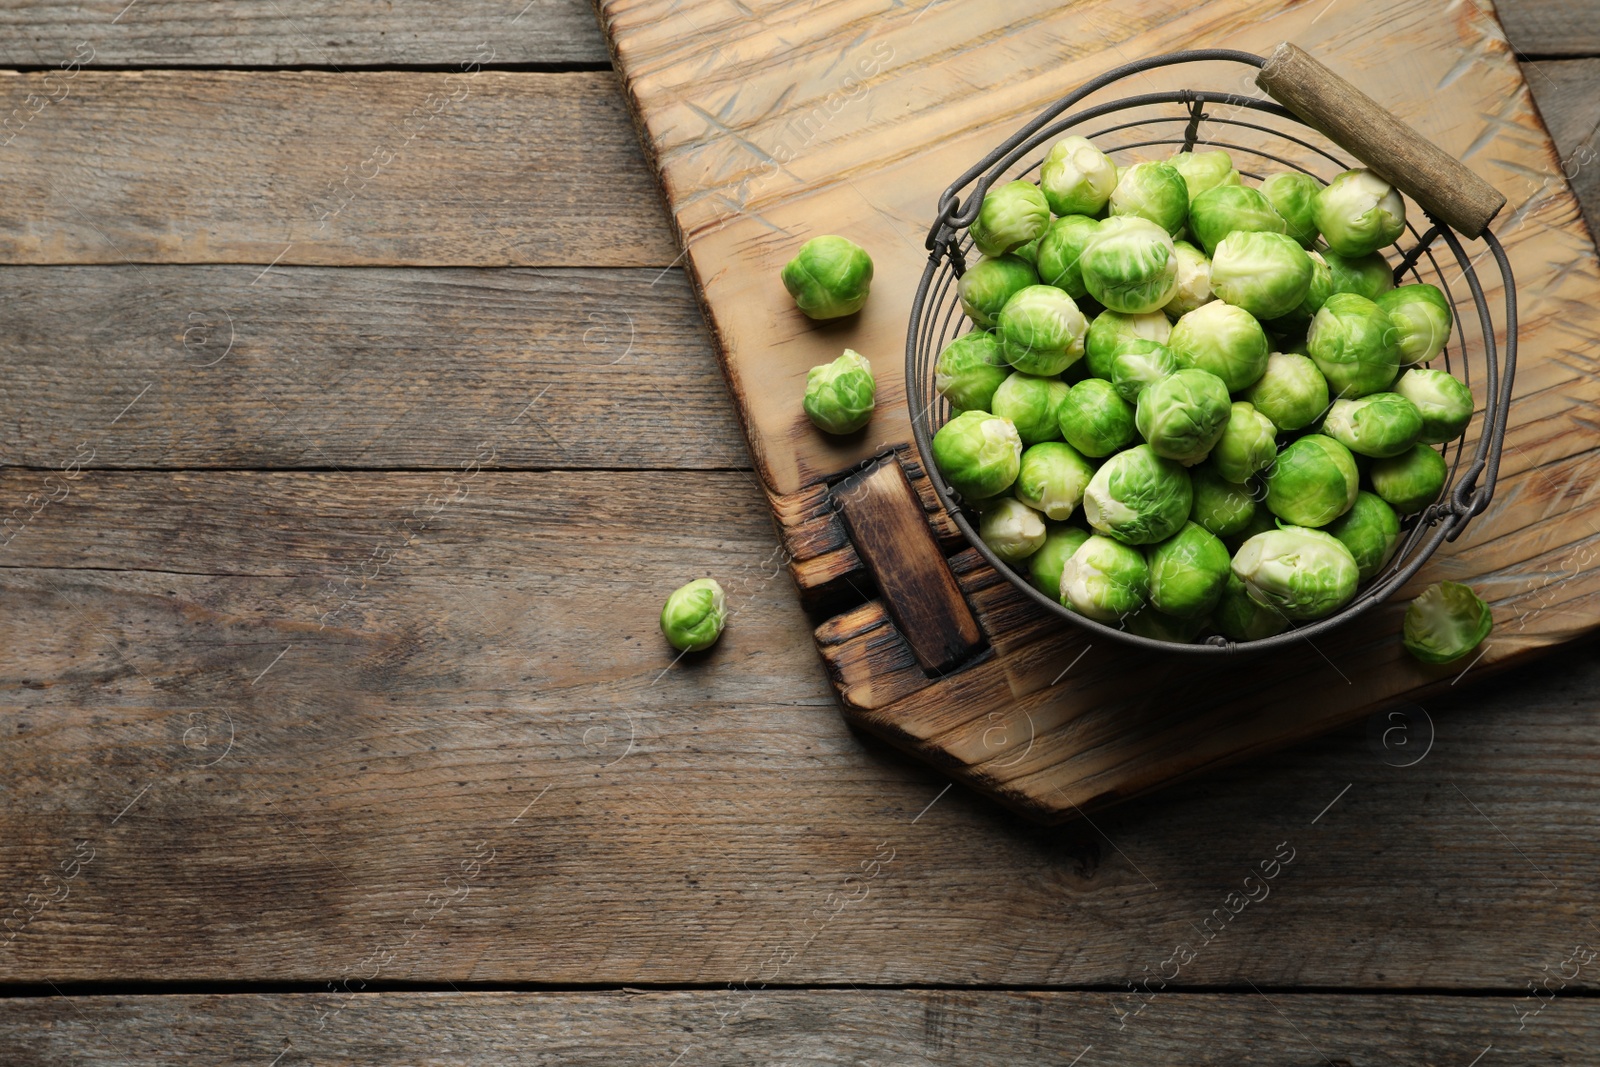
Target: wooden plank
{"x":297,"y":33}
{"x":282,"y":709}
{"x":737,"y":1028}
{"x":1565,"y":92}
{"x":478,"y":168}
{"x":220,"y":366}
{"x":1549,"y":27}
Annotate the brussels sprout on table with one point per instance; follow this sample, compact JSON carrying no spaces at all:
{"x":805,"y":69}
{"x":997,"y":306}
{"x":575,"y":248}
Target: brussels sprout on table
{"x":1041,"y":330}
{"x":1111,"y":331}
{"x":990,"y":282}
{"x":829,"y":277}
{"x":1105,"y":579}
{"x":1376,"y":425}
{"x":840,"y":396}
{"x":1421,"y":314}
{"x":1033,"y":404}
{"x":1076,"y":177}
{"x":1204,"y":170}
{"x":1370,"y":530}
{"x":1222,"y":507}
{"x":1188,"y":572}
{"x":1060,"y":249}
{"x":1223,"y":339}
{"x":1369,"y":276}
{"x":1153,"y":191}
{"x":1012,"y":215}
{"x":1446,"y":622}
{"x":1094,"y":419}
{"x":1293,"y":196}
{"x":1194,"y":280}
{"x":1291,"y":392}
{"x":1358,"y":212}
{"x":1312,"y":482}
{"x":1139,"y":363}
{"x":1138,"y":497}
{"x":969,"y":370}
{"x":1129,"y":265}
{"x":1052,"y":479}
{"x":979,"y":454}
{"x":1226,"y":209}
{"x":1239,"y":618}
{"x":1305,"y":574}
{"x":1044,"y":566}
{"x":1182,"y":415}
{"x":1443,"y":400}
{"x":1267,"y":274}
{"x":694,"y":615}
{"x":1249,"y":443}
{"x":1412,"y":480}
{"x":1351,"y":340}
{"x":1012,"y":529}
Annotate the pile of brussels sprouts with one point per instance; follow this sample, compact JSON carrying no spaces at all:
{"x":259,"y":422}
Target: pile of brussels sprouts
{"x":1188,"y":405}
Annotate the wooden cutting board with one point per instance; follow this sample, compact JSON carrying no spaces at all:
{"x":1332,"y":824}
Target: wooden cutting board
{"x":769,"y":124}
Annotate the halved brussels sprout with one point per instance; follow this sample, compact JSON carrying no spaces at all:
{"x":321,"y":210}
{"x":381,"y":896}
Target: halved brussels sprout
{"x":1105,"y":579}
{"x":1129,"y":265}
{"x":1194,"y":280}
{"x":1351,"y":341}
{"x":1370,"y":530}
{"x":1041,"y":330}
{"x":1358,"y":212}
{"x":1223,"y":339}
{"x":979,"y":454}
{"x":1421,"y":314}
{"x":1111,"y":332}
{"x":1094,"y":419}
{"x":1295,"y":321}
{"x":840,"y":396}
{"x":1033,"y":404}
{"x":1188,"y":572}
{"x":1293,"y":196}
{"x":1204,"y":170}
{"x":1012,"y":529}
{"x":1220,"y":506}
{"x":1044,"y":566}
{"x":1012,"y":215}
{"x":1076,"y":177}
{"x":1249,"y":443}
{"x":1052,"y":479}
{"x":989,"y":283}
{"x":1312,"y":482}
{"x":1369,"y":276}
{"x":969,"y":370}
{"x":1446,"y":622}
{"x":1444,"y":401}
{"x":1267,"y":274}
{"x":694,"y":615}
{"x":1377,"y":425}
{"x":1183,"y":415}
{"x":829,"y":277}
{"x":1059,"y":251}
{"x":1306,"y":574}
{"x":1139,"y":363}
{"x":1412,"y":480}
{"x":1153,"y":191}
{"x":1226,"y":209}
{"x":1291,"y":392}
{"x":1138,"y":497}
{"x":1238,"y":618}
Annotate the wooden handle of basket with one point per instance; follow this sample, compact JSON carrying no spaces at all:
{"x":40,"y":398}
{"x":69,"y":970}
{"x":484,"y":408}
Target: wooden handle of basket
{"x":1373,"y":134}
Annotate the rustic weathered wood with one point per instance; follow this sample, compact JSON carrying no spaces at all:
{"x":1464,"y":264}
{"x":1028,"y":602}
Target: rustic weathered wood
{"x":1370,"y":132}
{"x":742,"y":1028}
{"x":1565,"y":92}
{"x":1550,"y":27}
{"x":479,"y":168}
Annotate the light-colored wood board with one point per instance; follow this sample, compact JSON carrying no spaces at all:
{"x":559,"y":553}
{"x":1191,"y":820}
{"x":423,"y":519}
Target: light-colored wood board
{"x":1550,"y":27}
{"x":220,"y":366}
{"x":482,"y":168}
{"x":1565,"y":90}
{"x":740,"y":1028}
{"x":270,"y":800}
{"x":297,"y":33}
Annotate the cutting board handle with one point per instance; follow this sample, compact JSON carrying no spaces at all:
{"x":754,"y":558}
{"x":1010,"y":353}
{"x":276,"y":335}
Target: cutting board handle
{"x":1445,"y":188}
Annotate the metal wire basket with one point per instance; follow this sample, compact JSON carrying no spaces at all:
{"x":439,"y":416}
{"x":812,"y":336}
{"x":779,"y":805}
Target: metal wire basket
{"x":1261,"y":135}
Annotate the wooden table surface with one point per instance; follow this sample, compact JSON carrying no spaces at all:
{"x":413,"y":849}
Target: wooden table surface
{"x":356,"y":420}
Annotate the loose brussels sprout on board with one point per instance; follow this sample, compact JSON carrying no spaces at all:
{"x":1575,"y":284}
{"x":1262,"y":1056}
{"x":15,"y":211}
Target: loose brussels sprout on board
{"x":1012,"y":529}
{"x":1443,"y":400}
{"x":990,"y":282}
{"x":1306,"y":574}
{"x":1076,"y":177}
{"x":1358,"y":213}
{"x":1012,"y":215}
{"x":694,"y":615}
{"x":1446,"y":622}
{"x":840,"y":396}
{"x":979,"y":454}
{"x":1052,"y":479}
{"x":1042,"y":330}
{"x":1129,"y":264}
{"x":1095,"y":420}
{"x":1105,"y":579}
{"x":829,"y":277}
{"x":1033,"y":404}
{"x":969,"y":370}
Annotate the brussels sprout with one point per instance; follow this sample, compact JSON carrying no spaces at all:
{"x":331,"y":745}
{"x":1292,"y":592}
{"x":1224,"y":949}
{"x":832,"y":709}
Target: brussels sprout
{"x":1239,"y":618}
{"x":1444,"y":401}
{"x":1222,"y":339}
{"x":1263,"y":521}
{"x":989,"y":283}
{"x":1220,"y":506}
{"x":1153,"y":191}
{"x":1422,"y":316}
{"x":1183,"y":415}
{"x":1076,"y":177}
{"x":1044,"y":566}
{"x":1059,"y":250}
{"x":1293,"y":196}
{"x":1291,"y":392}
{"x":1012,"y":529}
{"x":1194,"y":280}
{"x":829,"y":277}
{"x":1138,"y":497}
{"x":1188,"y":572}
{"x":1412,"y":480}
{"x":1033,"y":405}
{"x":1249,"y":443}
{"x":1224,"y":209}
{"x":1377,"y":425}
{"x":1351,"y":341}
{"x":1028,"y":252}
{"x":1159,"y":626}
{"x":1358,"y":212}
{"x":1095,"y":420}
{"x":1370,"y":530}
{"x":1105,"y":579}
{"x":1041,"y":330}
{"x":1138,"y":364}
{"x":1295,"y":321}
{"x":1312,"y":482}
{"x":1012,"y":215}
{"x":1052,"y":479}
{"x":840,"y":395}
{"x":1306,"y":574}
{"x":1267,"y":274}
{"x":694,"y":615}
{"x":1369,"y":276}
{"x":1446,"y":622}
{"x":1112,"y":331}
{"x":1129,"y":265}
{"x":979,"y":454}
{"x":1204,"y":170}
{"x":969,"y":370}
